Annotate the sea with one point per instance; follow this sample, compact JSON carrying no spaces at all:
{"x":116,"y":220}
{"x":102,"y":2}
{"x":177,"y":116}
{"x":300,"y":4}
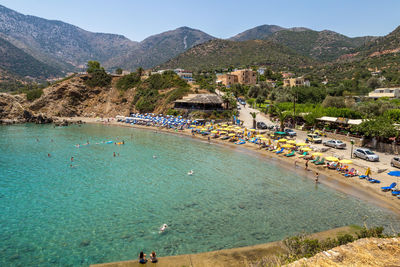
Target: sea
{"x":108,"y":202}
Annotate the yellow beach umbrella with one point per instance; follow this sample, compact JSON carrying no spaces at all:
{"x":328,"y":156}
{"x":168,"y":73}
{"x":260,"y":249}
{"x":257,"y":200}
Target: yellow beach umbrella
{"x":204,"y":129}
{"x":252,"y":130}
{"x":259,"y":135}
{"x":224,"y":125}
{"x":291,"y":142}
{"x":287,"y":146}
{"x":264,"y":139}
{"x":301,"y":144}
{"x":305,"y":149}
{"x":317,"y":154}
{"x":222,"y":132}
{"x":331,"y":159}
{"x":214,"y":131}
{"x":345,"y":161}
{"x":231,"y":134}
{"x":282,"y":140}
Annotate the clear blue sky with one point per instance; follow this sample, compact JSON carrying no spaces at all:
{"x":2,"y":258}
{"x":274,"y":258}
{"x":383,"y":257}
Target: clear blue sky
{"x":220,"y":18}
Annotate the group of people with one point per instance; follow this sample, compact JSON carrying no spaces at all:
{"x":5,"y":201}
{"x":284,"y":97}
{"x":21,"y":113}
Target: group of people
{"x":143,"y":260}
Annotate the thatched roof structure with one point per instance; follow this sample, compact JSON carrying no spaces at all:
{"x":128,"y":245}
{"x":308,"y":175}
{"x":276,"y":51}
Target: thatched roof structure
{"x":201,"y":99}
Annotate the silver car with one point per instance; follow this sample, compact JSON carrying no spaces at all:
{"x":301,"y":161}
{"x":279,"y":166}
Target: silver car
{"x":395,"y":162}
{"x":366,"y":154}
{"x":335,"y":144}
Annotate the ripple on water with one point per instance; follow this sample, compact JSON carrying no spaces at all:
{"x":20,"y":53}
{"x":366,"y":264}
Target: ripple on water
{"x":110,"y":208}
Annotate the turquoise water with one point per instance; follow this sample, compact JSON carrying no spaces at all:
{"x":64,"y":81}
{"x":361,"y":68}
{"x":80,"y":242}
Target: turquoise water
{"x":110,"y":208}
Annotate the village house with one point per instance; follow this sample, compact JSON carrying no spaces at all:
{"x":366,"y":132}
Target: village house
{"x":385,"y":92}
{"x":244,"y":76}
{"x":292,"y":82}
{"x":184,"y":74}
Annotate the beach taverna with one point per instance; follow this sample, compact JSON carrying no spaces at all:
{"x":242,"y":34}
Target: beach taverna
{"x":200,"y":102}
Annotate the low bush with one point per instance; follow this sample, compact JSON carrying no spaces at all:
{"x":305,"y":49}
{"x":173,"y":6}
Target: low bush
{"x":98,"y":78}
{"x":34,"y":94}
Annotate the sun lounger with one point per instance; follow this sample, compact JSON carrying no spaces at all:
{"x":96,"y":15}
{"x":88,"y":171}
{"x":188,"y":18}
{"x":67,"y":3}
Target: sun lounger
{"x":321,"y":162}
{"x":280,"y":151}
{"x":291,"y":154}
{"x":395,"y":193}
{"x":303,"y":155}
{"x":388,"y":188}
{"x":315,"y":160}
{"x":371,"y":180}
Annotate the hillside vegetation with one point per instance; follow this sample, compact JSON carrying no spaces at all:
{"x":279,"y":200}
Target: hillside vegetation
{"x":16,"y":61}
{"x":217,"y":54}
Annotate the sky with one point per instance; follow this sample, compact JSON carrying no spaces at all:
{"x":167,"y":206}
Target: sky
{"x":220,"y":18}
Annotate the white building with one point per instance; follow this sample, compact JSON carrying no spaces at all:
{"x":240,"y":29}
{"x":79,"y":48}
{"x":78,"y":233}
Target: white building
{"x":385,"y":92}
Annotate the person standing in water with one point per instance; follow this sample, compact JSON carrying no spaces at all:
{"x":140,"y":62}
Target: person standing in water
{"x":72,"y":159}
{"x":114,"y":154}
{"x":306,"y":165}
{"x":316,"y":177}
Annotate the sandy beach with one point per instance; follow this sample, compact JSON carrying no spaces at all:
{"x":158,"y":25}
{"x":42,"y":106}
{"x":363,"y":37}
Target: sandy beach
{"x":354,"y":186}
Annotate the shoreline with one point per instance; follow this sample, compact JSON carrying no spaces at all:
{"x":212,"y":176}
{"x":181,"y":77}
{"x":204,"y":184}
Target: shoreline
{"x":354,"y":186}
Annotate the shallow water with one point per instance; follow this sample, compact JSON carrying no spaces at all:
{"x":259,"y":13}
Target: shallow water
{"x":110,"y":208}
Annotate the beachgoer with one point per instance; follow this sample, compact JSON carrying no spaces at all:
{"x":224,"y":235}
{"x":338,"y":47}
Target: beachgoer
{"x":52,"y":140}
{"x":163,"y":227}
{"x":72,"y":159}
{"x":37,"y":140}
{"x":118,"y":154}
{"x":153,"y":257}
{"x":48,"y":154}
{"x":295,"y":162}
{"x":114,"y":154}
{"x":306,"y":165}
{"x":142,"y":258}
{"x":123,"y":142}
{"x":208,"y":139}
{"x":316,"y":177}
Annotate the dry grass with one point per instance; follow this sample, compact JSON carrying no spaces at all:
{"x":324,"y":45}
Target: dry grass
{"x":364,"y":252}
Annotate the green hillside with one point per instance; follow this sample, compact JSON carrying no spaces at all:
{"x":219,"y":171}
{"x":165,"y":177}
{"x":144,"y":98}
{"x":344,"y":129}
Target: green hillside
{"x":16,"y":61}
{"x":217,"y":54}
{"x":320,"y":45}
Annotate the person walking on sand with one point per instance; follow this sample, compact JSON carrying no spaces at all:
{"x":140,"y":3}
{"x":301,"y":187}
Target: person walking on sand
{"x":295,"y":162}
{"x":306,"y":165}
{"x":316,"y":177}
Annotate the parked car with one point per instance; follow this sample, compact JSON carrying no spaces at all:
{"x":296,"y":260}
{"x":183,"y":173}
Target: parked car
{"x":313,"y":138}
{"x":261,"y":125}
{"x":290,"y":132}
{"x":241,"y":101}
{"x":365,"y":153}
{"x":395,"y":162}
{"x":335,"y":144}
{"x":238,"y":107}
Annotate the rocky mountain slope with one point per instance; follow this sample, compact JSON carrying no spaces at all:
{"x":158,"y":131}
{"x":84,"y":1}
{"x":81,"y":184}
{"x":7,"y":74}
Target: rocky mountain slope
{"x":257,"y":33}
{"x":57,"y":43}
{"x":66,"y":47}
{"x":15,"y":61}
{"x":161,"y":47}
{"x":217,"y":54}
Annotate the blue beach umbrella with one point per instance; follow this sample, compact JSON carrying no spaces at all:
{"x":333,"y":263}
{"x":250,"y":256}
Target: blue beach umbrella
{"x":396,"y":174}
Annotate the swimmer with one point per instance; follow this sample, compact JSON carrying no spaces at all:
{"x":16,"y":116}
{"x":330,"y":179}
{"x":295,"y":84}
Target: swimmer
{"x":114,"y":154}
{"x":52,"y":140}
{"x":163,"y":227}
{"x":154,"y":156}
{"x":72,"y":159}
{"x":118,"y":154}
{"x":191,"y":172}
{"x":77,"y":145}
{"x":48,"y":154}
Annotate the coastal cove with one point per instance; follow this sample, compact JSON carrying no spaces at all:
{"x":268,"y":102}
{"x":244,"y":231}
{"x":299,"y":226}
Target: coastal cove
{"x":109,"y":208}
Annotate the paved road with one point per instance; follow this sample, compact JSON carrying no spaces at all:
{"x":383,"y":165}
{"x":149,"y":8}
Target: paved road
{"x":385,"y":158}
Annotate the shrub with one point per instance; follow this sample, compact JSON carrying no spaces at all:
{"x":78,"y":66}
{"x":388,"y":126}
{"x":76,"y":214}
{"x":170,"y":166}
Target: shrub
{"x":98,"y":78}
{"x":128,"y":81}
{"x":344,"y":239}
{"x":370,"y":232}
{"x":176,"y":94}
{"x":34,"y":94}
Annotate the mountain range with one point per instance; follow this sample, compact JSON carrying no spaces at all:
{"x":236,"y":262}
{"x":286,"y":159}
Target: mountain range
{"x":37,"y":47}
